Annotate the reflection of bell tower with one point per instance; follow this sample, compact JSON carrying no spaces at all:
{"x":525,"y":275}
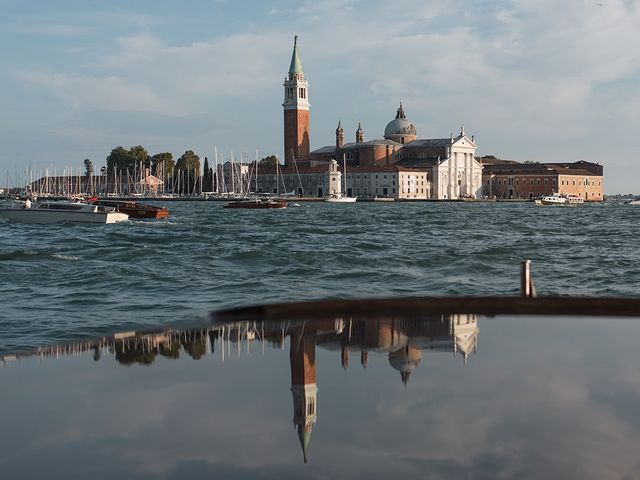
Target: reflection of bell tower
{"x":302,"y":356}
{"x":296,"y":111}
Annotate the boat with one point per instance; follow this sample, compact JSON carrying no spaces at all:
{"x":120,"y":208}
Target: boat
{"x":59,"y":212}
{"x":560,"y":200}
{"x":635,"y":201}
{"x":258,"y":203}
{"x":339,"y":197}
{"x":134,"y":209}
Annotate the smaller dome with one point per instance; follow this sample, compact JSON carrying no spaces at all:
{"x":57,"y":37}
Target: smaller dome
{"x":399,"y":125}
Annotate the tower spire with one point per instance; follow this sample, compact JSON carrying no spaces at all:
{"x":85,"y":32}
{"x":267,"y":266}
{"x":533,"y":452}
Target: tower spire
{"x":296,"y":64}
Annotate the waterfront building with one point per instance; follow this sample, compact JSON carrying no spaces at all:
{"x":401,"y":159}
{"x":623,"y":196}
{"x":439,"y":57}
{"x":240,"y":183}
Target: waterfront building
{"x":513,"y":180}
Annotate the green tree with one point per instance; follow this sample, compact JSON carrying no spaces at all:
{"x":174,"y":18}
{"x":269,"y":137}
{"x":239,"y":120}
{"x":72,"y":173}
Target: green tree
{"x":140,"y":157}
{"x":189,"y":167}
{"x":206,"y":176}
{"x":189,"y":161}
{"x":119,"y":158}
{"x":271,"y":161}
{"x":162,"y":164}
{"x":88,"y":167}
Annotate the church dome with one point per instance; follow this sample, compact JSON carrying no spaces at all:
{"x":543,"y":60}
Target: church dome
{"x":405,"y":360}
{"x":400,"y":127}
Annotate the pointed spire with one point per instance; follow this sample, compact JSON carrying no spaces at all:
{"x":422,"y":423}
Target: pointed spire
{"x":305,"y":437}
{"x":296,"y":64}
{"x":339,"y":129}
{"x":462,"y":130}
{"x":359,"y":134}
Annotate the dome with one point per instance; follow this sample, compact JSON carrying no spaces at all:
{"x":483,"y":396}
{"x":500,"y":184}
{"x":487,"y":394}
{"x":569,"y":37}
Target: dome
{"x":405,"y":359}
{"x":399,"y":126}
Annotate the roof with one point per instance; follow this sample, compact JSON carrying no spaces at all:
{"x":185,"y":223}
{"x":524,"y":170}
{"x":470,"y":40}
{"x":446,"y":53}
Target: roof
{"x":542,"y":169}
{"x":429,"y":142}
{"x":296,"y":64}
{"x":419,"y":162}
{"x":331,"y":149}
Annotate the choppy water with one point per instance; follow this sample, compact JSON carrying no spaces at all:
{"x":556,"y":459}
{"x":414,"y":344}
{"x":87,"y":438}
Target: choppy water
{"x":66,"y":282}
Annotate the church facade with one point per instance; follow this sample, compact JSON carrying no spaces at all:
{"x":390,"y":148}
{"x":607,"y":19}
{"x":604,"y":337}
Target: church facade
{"x":398,"y":166}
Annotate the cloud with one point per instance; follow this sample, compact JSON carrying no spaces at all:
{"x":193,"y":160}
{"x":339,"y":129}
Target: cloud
{"x":95,"y":92}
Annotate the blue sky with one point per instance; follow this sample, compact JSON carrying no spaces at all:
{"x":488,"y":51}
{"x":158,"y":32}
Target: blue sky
{"x":532,"y":80}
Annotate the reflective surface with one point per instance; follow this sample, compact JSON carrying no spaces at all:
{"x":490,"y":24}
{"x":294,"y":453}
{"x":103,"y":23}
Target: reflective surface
{"x":66,"y":282}
{"x":447,"y":396}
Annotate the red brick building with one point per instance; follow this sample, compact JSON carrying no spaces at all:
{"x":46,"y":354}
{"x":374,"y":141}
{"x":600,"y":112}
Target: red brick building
{"x":510,"y":179}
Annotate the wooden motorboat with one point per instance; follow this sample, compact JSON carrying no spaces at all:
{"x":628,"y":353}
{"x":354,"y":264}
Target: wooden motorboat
{"x":134,"y":209}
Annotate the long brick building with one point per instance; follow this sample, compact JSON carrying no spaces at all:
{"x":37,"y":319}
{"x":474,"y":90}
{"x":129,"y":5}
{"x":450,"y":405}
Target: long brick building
{"x":509,"y":179}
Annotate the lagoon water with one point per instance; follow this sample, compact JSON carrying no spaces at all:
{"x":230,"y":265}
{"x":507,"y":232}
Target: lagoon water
{"x":67,"y":282}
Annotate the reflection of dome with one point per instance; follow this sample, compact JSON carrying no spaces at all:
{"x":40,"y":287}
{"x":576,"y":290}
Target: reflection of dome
{"x":405,"y":360}
{"x":400,"y":126}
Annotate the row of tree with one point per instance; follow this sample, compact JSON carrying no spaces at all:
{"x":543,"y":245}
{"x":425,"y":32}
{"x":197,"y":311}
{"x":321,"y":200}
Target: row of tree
{"x":137,"y":159}
{"x":161,"y":163}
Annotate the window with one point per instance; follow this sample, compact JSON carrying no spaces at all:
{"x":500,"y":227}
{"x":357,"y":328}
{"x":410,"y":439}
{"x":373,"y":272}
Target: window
{"x":532,"y":181}
{"x":538,"y":181}
{"x":546,"y":181}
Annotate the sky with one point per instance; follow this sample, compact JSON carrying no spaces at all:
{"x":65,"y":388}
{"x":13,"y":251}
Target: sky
{"x":536,"y":80}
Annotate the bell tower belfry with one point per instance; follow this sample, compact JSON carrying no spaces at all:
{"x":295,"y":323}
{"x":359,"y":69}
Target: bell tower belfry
{"x":296,"y":111}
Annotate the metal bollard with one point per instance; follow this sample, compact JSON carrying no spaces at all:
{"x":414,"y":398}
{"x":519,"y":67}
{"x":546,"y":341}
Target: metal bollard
{"x":527,"y":289}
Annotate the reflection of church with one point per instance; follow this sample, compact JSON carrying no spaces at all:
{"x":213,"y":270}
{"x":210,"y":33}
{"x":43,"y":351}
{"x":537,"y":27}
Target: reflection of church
{"x":401,"y":340}
{"x":400,"y":165}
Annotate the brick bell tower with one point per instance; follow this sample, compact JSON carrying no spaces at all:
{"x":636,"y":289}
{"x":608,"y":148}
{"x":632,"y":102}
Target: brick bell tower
{"x":296,"y":111}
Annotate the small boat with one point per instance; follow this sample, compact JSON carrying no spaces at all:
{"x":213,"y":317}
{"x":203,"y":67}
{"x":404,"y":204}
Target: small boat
{"x":59,"y":212}
{"x":635,"y":201}
{"x":258,"y":203}
{"x":560,"y":200}
{"x":134,"y":209}
{"x":339,"y":198}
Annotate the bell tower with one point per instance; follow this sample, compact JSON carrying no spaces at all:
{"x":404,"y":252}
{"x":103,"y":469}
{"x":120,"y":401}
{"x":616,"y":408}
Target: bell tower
{"x":296,"y":111}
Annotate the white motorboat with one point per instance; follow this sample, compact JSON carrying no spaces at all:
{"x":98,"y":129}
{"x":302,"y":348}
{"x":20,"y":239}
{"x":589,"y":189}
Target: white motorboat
{"x":560,"y":200}
{"x":339,"y":198}
{"x":635,"y":201}
{"x":59,"y":212}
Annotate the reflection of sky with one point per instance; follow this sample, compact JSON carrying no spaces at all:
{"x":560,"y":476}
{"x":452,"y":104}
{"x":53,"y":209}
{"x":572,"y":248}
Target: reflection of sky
{"x":542,"y":399}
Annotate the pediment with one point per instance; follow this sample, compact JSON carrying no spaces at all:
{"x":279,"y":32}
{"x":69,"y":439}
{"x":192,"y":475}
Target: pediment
{"x":464,"y":141}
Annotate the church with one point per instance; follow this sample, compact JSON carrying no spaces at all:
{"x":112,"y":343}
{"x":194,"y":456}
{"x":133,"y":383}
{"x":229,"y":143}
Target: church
{"x":399,"y":166}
